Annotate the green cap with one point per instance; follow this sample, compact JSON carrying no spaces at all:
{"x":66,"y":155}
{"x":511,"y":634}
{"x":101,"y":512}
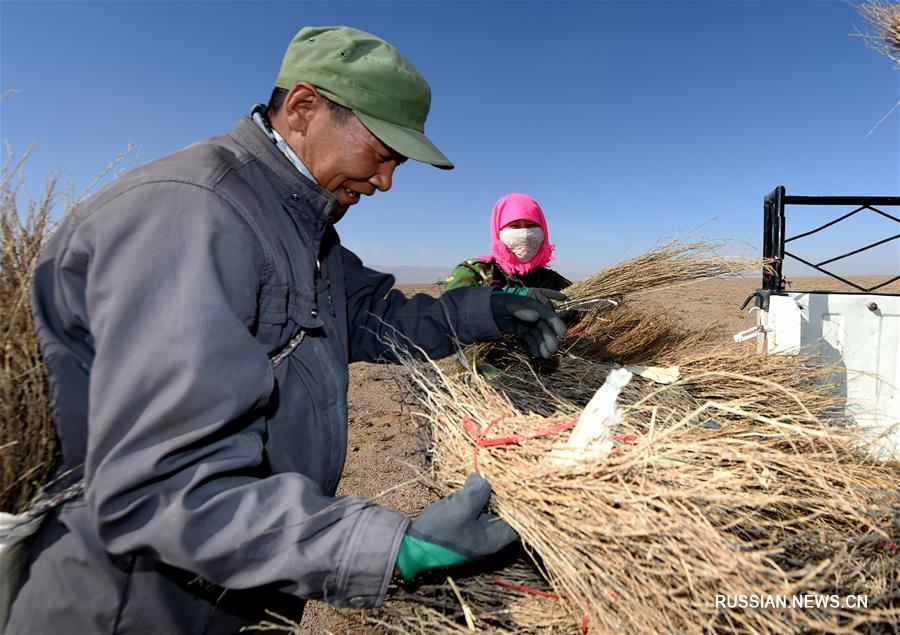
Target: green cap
{"x":370,"y":77}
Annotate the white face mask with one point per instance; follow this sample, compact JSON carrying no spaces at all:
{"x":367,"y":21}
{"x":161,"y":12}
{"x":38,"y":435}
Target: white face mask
{"x":523,"y":242}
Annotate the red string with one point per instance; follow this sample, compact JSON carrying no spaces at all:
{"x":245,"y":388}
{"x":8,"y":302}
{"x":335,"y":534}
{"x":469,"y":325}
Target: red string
{"x":481,"y":440}
{"x":525,"y":589}
{"x":629,"y":438}
{"x":543,"y":594}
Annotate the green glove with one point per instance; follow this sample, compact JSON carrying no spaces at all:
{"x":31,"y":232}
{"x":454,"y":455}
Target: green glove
{"x":452,"y":531}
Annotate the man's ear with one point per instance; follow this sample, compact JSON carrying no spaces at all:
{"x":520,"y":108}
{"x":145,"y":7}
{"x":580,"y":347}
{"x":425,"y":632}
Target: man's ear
{"x":300,"y":105}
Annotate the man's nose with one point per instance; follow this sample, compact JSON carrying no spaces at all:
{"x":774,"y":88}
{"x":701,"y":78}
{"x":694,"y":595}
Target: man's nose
{"x":383,"y":179}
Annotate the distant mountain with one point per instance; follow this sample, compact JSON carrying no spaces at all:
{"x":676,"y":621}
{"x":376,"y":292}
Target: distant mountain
{"x":410,"y":274}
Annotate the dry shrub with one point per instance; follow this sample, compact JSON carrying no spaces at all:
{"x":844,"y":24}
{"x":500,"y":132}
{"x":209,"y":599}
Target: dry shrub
{"x":882,"y":34}
{"x":883,"y":21}
{"x":28,"y":446}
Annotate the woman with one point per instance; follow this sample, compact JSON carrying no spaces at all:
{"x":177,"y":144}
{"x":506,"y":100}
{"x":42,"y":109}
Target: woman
{"x":520,"y":250}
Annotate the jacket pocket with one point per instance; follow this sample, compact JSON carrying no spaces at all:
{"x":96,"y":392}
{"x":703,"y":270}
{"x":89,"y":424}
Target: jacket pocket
{"x":273,"y":303}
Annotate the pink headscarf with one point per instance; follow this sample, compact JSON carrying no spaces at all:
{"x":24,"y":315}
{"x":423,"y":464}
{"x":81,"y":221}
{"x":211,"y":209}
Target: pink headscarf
{"x":513,"y":207}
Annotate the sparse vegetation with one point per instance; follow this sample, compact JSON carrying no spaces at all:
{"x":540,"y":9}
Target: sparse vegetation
{"x":28,"y":444}
{"x":28,"y":447}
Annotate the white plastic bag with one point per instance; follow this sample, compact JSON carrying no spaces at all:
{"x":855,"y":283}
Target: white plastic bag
{"x":591,"y":435}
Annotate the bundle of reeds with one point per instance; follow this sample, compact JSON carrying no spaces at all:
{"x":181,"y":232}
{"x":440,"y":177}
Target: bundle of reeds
{"x":742,"y":478}
{"x":728,"y":482}
{"x":601,"y":328}
{"x":670,"y":264}
{"x":624,"y":333}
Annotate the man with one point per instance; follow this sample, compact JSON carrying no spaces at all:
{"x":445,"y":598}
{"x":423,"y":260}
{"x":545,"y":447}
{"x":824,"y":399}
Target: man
{"x":197,"y":318}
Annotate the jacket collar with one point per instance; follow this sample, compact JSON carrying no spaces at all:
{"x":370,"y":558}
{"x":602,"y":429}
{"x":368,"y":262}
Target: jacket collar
{"x":259,"y":117}
{"x":301,"y":194}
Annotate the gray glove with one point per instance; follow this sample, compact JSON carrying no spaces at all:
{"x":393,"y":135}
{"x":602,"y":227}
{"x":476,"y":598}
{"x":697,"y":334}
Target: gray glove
{"x":537,"y":324}
{"x":454,"y":530}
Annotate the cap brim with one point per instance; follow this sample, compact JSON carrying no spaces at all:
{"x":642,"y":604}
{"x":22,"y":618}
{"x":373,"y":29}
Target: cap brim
{"x":408,"y":142}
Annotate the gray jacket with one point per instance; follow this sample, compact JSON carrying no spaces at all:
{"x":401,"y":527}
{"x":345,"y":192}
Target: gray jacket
{"x":210,"y":476}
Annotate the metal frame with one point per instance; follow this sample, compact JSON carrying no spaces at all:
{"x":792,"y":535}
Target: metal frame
{"x":774,"y":238}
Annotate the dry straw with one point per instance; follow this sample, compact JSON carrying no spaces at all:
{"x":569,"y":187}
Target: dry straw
{"x":28,"y":444}
{"x":882,"y":34}
{"x":740,"y":478}
{"x":883,"y":21}
{"x":27,"y":438}
{"x":514,"y":599}
{"x":670,"y":264}
{"x":726,"y":482}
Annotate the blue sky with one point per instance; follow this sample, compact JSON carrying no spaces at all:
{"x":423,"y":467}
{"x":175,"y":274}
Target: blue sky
{"x":627,"y":121}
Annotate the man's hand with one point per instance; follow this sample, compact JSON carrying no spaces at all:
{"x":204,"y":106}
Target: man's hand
{"x":537,"y":324}
{"x":453,"y":530}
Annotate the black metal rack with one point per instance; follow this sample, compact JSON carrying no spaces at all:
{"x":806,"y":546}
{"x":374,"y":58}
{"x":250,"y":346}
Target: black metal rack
{"x":774,"y":239}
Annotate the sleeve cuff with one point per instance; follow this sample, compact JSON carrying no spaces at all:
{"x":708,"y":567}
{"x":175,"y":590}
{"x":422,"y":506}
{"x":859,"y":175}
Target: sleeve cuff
{"x":477,"y":321}
{"x":369,"y":559}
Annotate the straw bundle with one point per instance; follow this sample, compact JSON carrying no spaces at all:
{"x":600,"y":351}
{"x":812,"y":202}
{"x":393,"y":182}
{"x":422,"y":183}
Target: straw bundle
{"x":725,"y":482}
{"x":671,"y":264}
{"x":627,"y":333}
{"x":623,"y":333}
